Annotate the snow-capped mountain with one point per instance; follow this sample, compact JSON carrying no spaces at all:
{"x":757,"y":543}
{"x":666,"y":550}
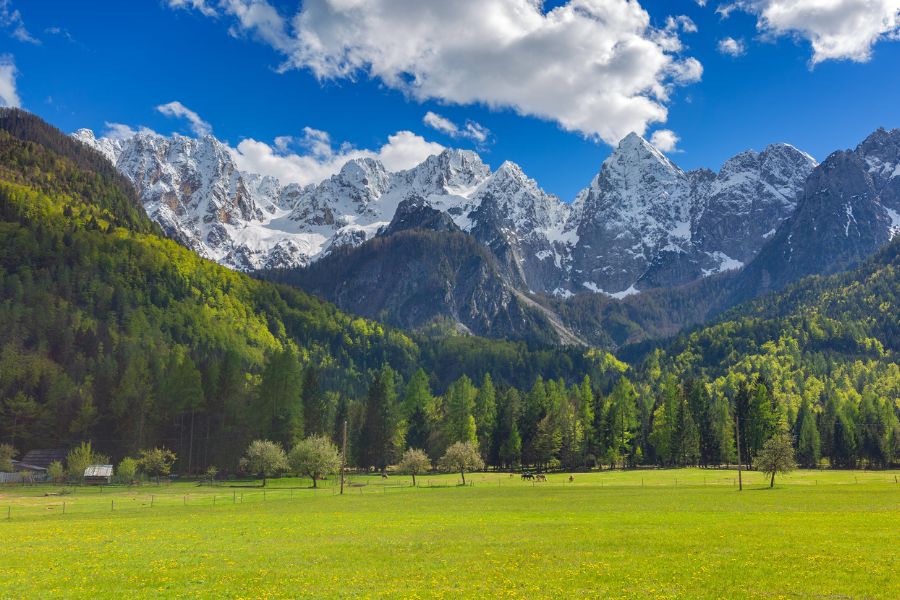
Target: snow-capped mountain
{"x":848,"y":209}
{"x":642,"y":222}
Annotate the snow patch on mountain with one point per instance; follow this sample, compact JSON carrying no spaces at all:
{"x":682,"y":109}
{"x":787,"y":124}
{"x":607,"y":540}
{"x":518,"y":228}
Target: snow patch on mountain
{"x":642,"y":222}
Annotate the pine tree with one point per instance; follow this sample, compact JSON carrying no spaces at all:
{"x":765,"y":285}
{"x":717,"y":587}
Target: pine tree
{"x":279,"y":406}
{"x":485,"y":414}
{"x":460,"y":405}
{"x":318,"y":410}
{"x":381,"y":435}
{"x":808,"y":441}
{"x":621,"y":421}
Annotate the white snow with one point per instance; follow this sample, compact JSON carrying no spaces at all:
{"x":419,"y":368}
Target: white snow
{"x":850,"y":217}
{"x":644,"y":202}
{"x":895,"y":221}
{"x":625,"y":293}
{"x":726,"y":263}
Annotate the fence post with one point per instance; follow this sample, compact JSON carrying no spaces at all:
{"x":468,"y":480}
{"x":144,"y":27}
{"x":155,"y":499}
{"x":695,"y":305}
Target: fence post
{"x":64,"y":507}
{"x":9,"y":513}
{"x":151,"y":500}
{"x":185,"y":500}
{"x":112,"y":505}
{"x":214,"y":499}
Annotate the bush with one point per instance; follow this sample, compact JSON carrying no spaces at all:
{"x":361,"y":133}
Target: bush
{"x":81,"y":458}
{"x":127,"y":470}
{"x":157,"y":462}
{"x":7,"y":453}
{"x":56,"y":472}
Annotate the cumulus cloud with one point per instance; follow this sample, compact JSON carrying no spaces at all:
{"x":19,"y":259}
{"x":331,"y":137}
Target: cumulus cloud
{"x":11,"y":18}
{"x":665,"y":140}
{"x":319,"y":159}
{"x":9,"y":96}
{"x":836,"y":29}
{"x":198,"y":5}
{"x":596,"y":67}
{"x":732,"y":47}
{"x":682,"y":22}
{"x":178,"y":110}
{"x":471,"y":130}
{"x":120,"y":131}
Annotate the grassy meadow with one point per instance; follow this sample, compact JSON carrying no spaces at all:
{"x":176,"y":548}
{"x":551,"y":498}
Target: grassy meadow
{"x":639,"y":534}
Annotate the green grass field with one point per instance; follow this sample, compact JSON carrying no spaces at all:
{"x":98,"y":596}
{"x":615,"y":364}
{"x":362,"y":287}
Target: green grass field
{"x":637,"y":534}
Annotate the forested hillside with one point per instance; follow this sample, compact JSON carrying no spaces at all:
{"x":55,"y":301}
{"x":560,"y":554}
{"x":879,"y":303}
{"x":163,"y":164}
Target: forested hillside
{"x":113,"y":334}
{"x":819,"y":359}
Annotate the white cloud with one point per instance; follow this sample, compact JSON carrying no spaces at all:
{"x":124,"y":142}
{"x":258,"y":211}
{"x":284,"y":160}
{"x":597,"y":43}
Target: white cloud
{"x":199,"y":5}
{"x":444,"y":125}
{"x":593,"y":66}
{"x":837,"y":29}
{"x":8,"y":94}
{"x":120,"y":131}
{"x":179,"y":110}
{"x":732,"y":47}
{"x":472,"y":130}
{"x":403,"y":150}
{"x":665,"y":140}
{"x":12,"y":18}
{"x":682,"y":22}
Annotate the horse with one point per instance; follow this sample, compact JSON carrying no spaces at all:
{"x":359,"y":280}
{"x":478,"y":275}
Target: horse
{"x":540,"y":477}
{"x":571,"y":478}
{"x":527,"y":475}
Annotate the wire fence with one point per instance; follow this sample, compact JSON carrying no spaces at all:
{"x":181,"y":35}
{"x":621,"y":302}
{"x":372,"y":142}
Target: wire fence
{"x":56,"y":502}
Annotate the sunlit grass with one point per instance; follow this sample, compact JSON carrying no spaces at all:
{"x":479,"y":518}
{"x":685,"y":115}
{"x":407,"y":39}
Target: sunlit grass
{"x":611,"y":534}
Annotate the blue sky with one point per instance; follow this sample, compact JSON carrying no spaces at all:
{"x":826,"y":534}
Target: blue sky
{"x":809,"y":82}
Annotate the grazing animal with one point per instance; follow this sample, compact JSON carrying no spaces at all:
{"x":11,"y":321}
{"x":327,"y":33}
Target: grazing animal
{"x":540,"y":477}
{"x":527,"y":475}
{"x":571,"y":478}
{"x":384,"y":475}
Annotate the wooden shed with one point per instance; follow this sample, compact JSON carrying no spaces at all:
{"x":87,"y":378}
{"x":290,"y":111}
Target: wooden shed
{"x":44,"y":456}
{"x":98,"y":474}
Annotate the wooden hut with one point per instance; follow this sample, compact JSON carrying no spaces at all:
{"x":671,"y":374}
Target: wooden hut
{"x":98,"y":474}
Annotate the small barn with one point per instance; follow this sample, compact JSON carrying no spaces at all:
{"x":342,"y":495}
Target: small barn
{"x":43,"y":457}
{"x":98,"y":474}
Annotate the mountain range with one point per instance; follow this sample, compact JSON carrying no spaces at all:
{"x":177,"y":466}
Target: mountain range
{"x":489,"y":252}
{"x":113,"y":333}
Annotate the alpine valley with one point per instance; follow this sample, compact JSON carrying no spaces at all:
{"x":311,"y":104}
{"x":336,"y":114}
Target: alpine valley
{"x":643,"y":251}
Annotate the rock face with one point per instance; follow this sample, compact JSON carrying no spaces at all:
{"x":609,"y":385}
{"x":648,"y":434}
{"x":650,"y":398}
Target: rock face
{"x":642,"y":223}
{"x":645,"y":223}
{"x":450,"y":240}
{"x":849,"y":208}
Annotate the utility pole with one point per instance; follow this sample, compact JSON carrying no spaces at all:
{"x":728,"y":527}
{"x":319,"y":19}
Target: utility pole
{"x":344,"y":457}
{"x":737,"y":433}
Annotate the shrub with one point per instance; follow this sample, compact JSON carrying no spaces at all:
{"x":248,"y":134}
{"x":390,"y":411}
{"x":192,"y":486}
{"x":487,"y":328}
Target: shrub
{"x":127,"y":470}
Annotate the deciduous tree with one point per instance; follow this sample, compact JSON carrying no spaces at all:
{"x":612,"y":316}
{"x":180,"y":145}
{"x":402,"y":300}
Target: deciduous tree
{"x":776,"y":456}
{"x":462,"y":457}
{"x":414,"y":462}
{"x":265,"y":458}
{"x":315,"y":457}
